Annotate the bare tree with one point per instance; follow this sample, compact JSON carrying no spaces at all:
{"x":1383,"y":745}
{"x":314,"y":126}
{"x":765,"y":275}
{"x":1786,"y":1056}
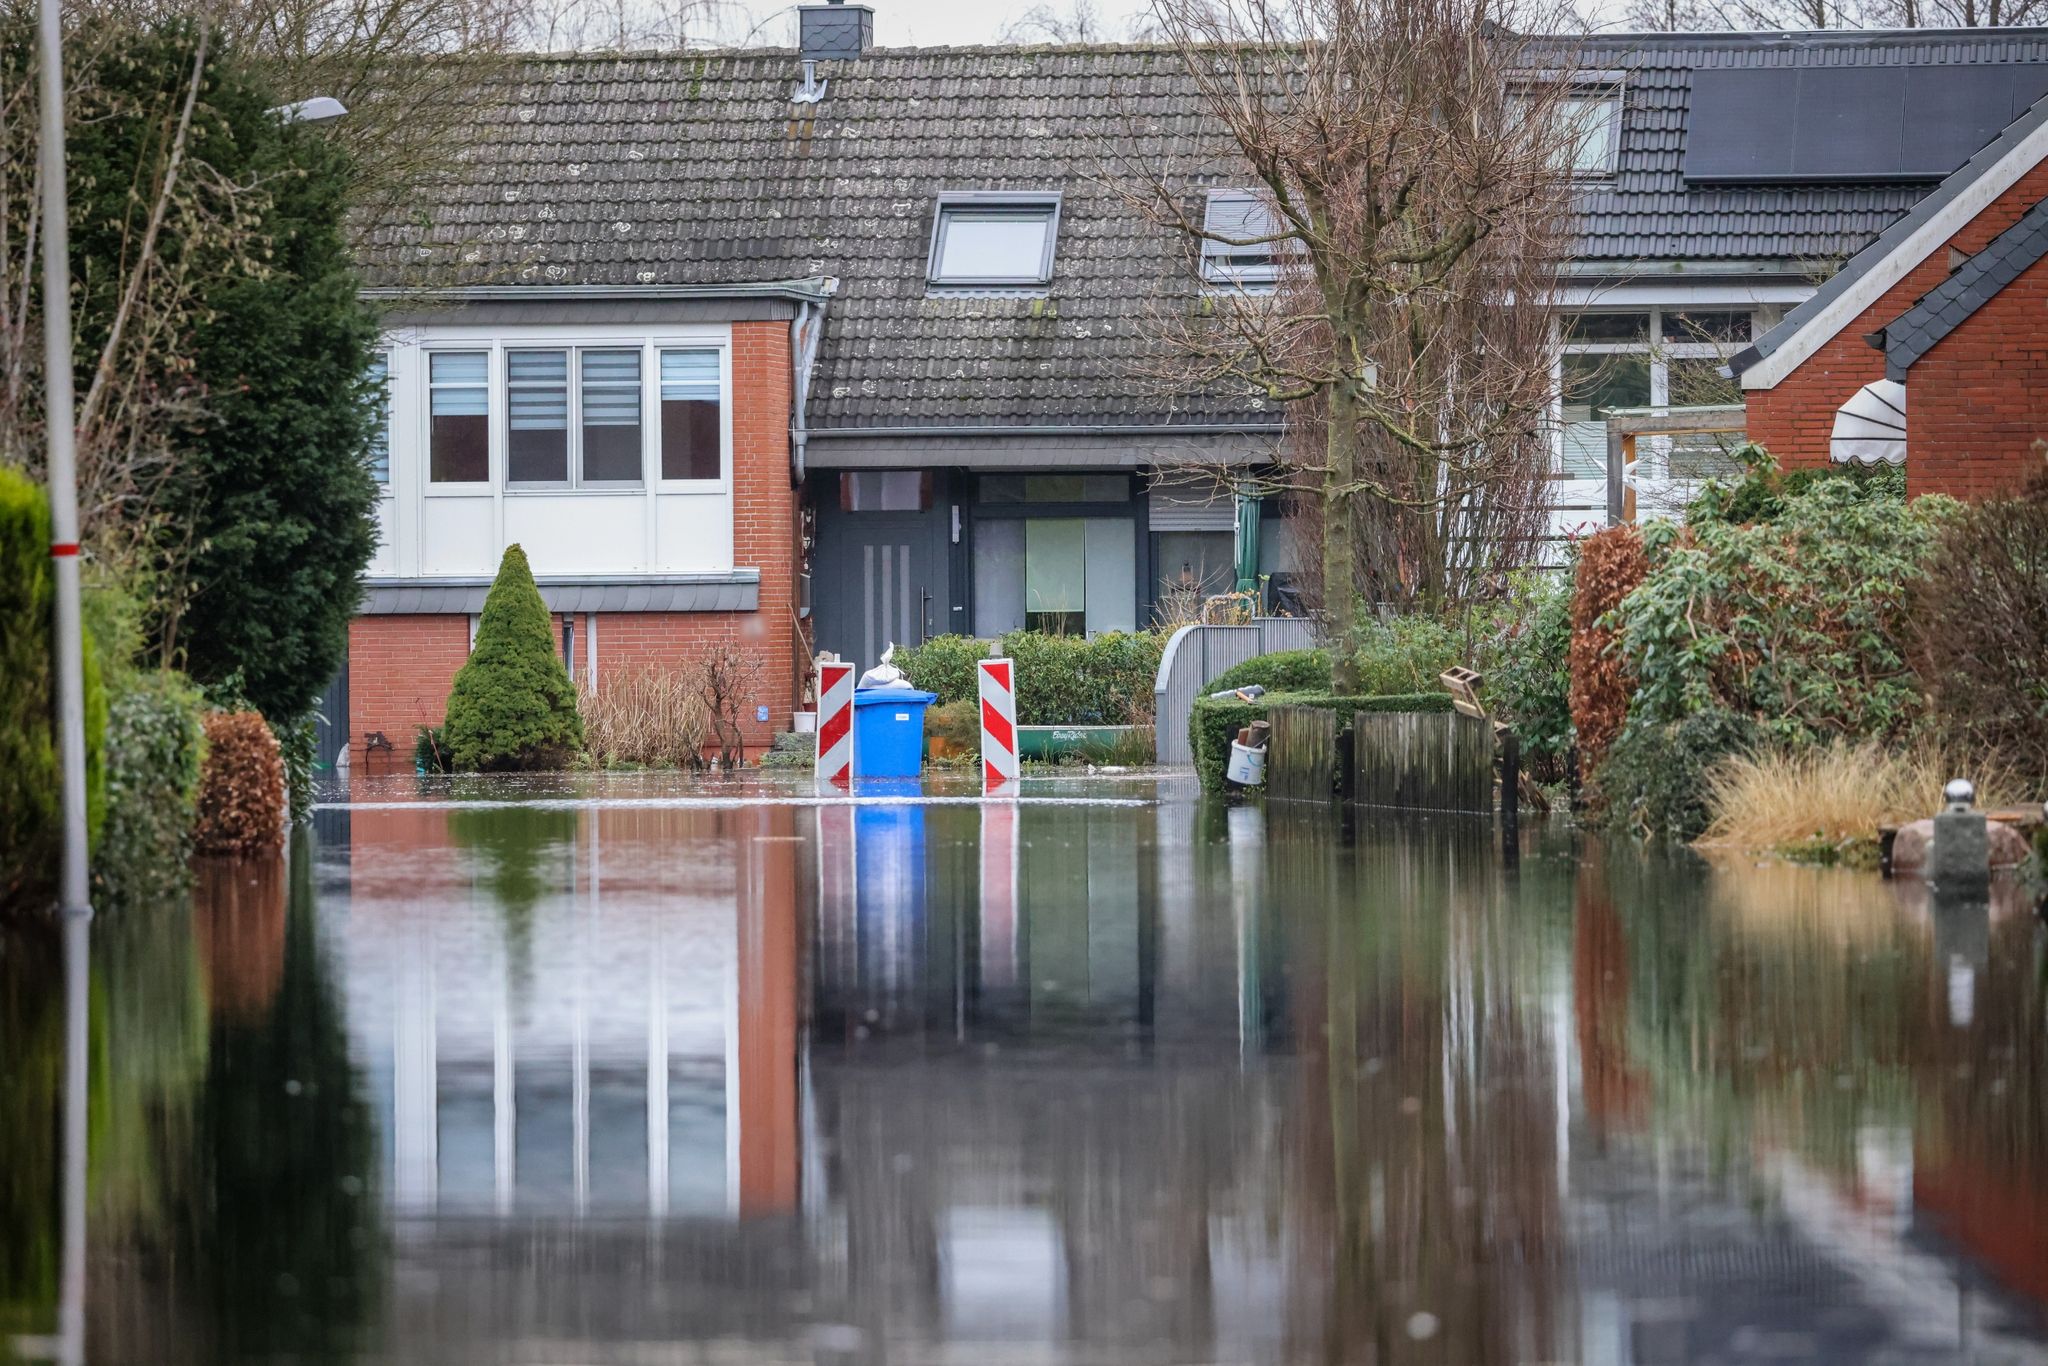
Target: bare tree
{"x":1408,"y":156}
{"x":1694,"y":16}
{"x":1080,"y":22}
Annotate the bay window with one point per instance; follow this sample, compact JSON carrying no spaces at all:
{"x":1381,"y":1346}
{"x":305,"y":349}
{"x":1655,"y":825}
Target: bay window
{"x":1650,"y":358}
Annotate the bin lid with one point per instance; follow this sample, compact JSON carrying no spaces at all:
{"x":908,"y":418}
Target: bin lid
{"x":878,"y":697}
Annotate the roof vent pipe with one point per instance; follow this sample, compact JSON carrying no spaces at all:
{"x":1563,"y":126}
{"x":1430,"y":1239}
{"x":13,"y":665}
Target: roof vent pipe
{"x":834,"y":32}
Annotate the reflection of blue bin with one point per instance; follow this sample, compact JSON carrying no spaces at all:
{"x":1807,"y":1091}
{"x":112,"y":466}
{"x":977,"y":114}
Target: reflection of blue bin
{"x":888,"y":732}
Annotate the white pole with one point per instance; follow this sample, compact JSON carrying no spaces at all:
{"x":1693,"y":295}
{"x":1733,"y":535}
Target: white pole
{"x":74,"y":897}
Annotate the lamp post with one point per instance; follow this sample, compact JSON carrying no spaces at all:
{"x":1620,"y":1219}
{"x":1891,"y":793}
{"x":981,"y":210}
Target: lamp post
{"x":74,"y":898}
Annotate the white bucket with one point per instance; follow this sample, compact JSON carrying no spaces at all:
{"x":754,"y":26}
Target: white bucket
{"x":1247,"y":766}
{"x":806,"y":723}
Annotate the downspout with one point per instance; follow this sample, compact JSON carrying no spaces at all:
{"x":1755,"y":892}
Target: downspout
{"x":806,"y":331}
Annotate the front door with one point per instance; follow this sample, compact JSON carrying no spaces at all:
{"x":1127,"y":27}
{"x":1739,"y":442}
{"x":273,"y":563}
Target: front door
{"x":879,"y":577}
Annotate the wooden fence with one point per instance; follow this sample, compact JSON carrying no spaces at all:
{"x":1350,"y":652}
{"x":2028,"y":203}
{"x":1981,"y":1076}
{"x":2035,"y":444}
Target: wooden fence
{"x":1302,"y":757}
{"x":1438,"y":761}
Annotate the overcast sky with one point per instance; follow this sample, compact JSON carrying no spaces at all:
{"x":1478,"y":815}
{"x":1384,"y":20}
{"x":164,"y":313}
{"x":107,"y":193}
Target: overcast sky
{"x":945,"y":23}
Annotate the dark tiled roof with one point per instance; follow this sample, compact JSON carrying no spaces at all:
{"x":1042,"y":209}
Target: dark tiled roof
{"x":675,"y":169}
{"x":1976,"y":282}
{"x":1649,"y":212}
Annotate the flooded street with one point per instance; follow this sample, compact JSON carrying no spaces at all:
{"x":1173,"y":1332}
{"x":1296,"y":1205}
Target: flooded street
{"x":649,"y":1070}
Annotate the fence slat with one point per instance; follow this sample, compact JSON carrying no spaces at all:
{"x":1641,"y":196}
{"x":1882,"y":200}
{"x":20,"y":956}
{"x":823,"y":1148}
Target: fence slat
{"x":1437,"y":761}
{"x":1301,"y":755}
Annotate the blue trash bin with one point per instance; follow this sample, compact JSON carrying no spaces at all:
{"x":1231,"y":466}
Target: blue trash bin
{"x":888,"y":732}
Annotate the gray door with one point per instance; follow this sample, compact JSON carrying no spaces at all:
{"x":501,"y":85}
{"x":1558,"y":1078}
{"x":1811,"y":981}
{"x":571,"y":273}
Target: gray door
{"x":878,"y":577}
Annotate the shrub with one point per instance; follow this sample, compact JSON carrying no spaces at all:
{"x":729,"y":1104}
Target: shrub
{"x":156,"y":744}
{"x":1760,"y":495}
{"x":1073,"y":681}
{"x":1529,"y":684}
{"x":31,"y":788}
{"x":1653,"y":783}
{"x":943,"y":665}
{"x":1280,"y":671}
{"x":1406,"y":654}
{"x":512,"y":706}
{"x":957,"y":724}
{"x":1840,"y":792}
{"x":656,"y":718}
{"x":1798,"y":623}
{"x":241,"y":786}
{"x":1611,"y":565}
{"x":430,"y":750}
{"x":1214,"y":724}
{"x":1980,"y":631}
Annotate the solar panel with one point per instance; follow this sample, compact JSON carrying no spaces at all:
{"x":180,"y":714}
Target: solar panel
{"x":1850,"y":124}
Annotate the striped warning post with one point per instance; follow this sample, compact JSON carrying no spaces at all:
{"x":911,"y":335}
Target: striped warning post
{"x":998,"y":679}
{"x":835,"y":723}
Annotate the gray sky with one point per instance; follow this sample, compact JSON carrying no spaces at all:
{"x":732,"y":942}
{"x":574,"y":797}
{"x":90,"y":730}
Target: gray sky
{"x":954,"y":23}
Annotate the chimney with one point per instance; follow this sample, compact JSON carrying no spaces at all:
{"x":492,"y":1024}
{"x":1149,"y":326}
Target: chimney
{"x":834,"y":32}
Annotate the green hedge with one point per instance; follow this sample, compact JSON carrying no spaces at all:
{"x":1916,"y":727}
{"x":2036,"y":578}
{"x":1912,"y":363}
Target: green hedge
{"x":1214,"y":724}
{"x":1104,"y":680}
{"x":1280,"y":671}
{"x":155,"y":745}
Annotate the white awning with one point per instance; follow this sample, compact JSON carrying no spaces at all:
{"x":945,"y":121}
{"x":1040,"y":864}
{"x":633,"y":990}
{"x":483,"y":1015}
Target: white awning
{"x":1871,"y":427}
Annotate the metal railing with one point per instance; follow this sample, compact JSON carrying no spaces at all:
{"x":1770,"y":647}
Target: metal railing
{"x":1196,"y":654}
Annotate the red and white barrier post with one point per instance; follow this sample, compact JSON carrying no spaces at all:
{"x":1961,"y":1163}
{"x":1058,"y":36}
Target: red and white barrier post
{"x":998,"y":684}
{"x":835,"y":723}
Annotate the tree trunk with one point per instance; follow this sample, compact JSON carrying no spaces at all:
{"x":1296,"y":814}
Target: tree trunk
{"x":1340,"y":594}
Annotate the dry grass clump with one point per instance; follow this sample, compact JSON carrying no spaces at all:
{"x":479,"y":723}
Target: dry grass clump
{"x":241,"y":787}
{"x":656,"y":718}
{"x":1840,"y":792}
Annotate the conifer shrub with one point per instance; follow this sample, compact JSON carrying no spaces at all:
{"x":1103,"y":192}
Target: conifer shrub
{"x":513,"y":706}
{"x":31,"y":787}
{"x":241,"y":787}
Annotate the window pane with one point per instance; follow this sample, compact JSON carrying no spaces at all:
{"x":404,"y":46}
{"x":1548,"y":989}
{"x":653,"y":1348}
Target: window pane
{"x":998,"y":577}
{"x":1238,"y":215}
{"x":380,"y":418}
{"x":885,"y":491}
{"x":1055,"y":556}
{"x":1111,"y":574}
{"x":1592,"y":124}
{"x":1717,"y":326}
{"x":993,"y":245}
{"x":689,"y":415}
{"x":1697,"y":382}
{"x":611,"y":417}
{"x":459,"y":417}
{"x":1195,"y":564}
{"x":1593,"y":385}
{"x":1607,"y":327}
{"x":537,"y":403}
{"x":1055,"y":488}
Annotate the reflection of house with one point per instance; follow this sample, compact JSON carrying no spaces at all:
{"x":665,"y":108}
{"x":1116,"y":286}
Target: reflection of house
{"x":1934,"y":332}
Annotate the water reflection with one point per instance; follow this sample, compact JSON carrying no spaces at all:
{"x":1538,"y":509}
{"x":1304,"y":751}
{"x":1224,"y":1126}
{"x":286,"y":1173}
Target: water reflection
{"x":1161,"y":1082}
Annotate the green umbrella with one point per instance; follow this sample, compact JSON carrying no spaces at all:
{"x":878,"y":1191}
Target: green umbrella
{"x":1247,"y":539}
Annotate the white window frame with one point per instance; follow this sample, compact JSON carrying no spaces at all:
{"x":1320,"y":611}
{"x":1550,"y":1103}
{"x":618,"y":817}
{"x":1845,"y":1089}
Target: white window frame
{"x":575,"y":341}
{"x":576,"y":481}
{"x":1021,"y":203}
{"x":493,"y":460}
{"x":1610,"y":97}
{"x":1659,"y":352}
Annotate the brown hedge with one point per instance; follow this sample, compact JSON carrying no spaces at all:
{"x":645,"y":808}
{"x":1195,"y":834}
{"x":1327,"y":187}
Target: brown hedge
{"x":1611,"y":565}
{"x":241,"y":789}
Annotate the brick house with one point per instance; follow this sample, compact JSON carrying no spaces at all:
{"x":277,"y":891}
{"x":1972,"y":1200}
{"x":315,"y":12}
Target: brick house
{"x":1930,"y":347}
{"x":828,"y":348}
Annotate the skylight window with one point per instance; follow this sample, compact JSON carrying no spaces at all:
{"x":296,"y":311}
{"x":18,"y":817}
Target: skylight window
{"x":1593,"y":121}
{"x":1240,"y":217}
{"x":994,"y":240}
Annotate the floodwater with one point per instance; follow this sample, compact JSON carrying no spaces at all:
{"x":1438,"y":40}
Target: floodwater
{"x":650,"y":1071}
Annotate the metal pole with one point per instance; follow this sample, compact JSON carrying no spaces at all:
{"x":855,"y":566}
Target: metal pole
{"x":74,"y":896}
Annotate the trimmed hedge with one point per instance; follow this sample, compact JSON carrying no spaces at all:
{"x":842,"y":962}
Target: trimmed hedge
{"x":156,"y":744}
{"x":1104,"y":680}
{"x":241,"y":786}
{"x":1214,"y":724}
{"x":1280,"y":671}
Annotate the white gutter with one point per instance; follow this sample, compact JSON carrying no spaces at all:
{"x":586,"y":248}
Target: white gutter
{"x":806,"y":334}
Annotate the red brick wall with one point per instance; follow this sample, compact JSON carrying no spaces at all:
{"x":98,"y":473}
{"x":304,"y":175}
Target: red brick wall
{"x":1793,"y":420}
{"x":1978,"y":401}
{"x":401,"y":667}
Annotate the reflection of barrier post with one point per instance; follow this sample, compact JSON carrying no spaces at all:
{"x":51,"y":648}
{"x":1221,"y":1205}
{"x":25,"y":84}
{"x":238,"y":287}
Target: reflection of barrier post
{"x":998,"y":684}
{"x":835,"y":723}
{"x":999,"y":894}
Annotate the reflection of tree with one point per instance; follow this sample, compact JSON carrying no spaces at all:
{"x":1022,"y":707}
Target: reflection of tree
{"x":521,"y":856}
{"x":31,"y":1079}
{"x":1428,"y":1162}
{"x":282,"y":1229}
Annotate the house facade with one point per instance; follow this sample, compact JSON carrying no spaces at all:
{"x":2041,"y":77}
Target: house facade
{"x":798,"y":355}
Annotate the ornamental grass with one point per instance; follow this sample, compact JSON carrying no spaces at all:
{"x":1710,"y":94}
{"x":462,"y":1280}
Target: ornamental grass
{"x":656,"y":718}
